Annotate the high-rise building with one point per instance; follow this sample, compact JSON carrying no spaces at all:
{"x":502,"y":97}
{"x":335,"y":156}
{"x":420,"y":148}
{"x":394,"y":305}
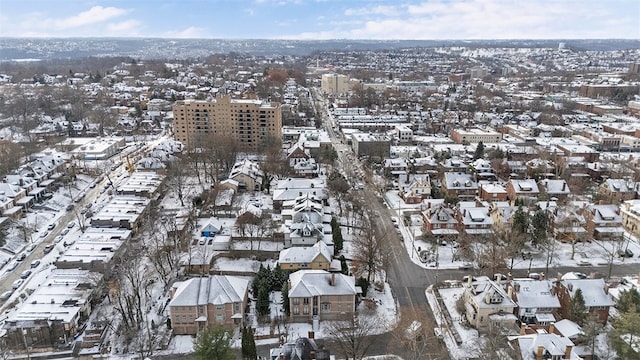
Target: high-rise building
{"x":248,"y":121}
{"x":335,"y":83}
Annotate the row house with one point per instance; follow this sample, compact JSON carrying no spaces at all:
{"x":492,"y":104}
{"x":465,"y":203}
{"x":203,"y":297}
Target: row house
{"x":604,"y":222}
{"x":247,"y":175}
{"x":18,"y":197}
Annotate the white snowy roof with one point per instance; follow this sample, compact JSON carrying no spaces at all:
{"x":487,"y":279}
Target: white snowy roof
{"x":215,"y":289}
{"x":568,"y":328}
{"x":308,"y":283}
{"x":536,"y":294}
{"x":304,"y":254}
{"x":592,"y":291}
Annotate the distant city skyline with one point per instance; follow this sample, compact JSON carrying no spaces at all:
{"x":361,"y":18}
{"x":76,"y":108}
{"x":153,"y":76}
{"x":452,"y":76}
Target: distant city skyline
{"x":324,"y":19}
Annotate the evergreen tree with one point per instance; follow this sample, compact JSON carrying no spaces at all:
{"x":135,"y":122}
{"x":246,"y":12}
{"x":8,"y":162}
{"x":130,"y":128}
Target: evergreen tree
{"x":213,"y":343}
{"x":540,"y":225}
{"x":520,"y":221}
{"x":343,"y":265}
{"x":627,"y":334}
{"x":577,"y":308}
{"x":479,"y":153}
{"x":249,"y":351}
{"x":262,"y":302}
{"x":629,"y":299}
{"x":285,"y":299}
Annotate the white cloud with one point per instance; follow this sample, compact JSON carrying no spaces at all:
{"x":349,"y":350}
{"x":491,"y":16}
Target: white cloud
{"x":190,"y":32}
{"x":96,"y":14}
{"x":376,"y":10}
{"x":128,"y":26}
{"x":489,"y":19}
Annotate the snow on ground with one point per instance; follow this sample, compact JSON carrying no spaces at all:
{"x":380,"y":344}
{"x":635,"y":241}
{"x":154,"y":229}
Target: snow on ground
{"x":381,"y":306}
{"x":257,"y":245}
{"x":469,"y":336}
{"x":180,"y":344}
{"x":241,"y":265}
{"x":595,"y":253}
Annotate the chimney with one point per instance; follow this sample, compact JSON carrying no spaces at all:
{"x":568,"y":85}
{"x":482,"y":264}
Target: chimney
{"x":516,"y":287}
{"x":332,"y":281}
{"x":606,"y":289}
{"x":552,"y":328}
{"x":564,"y":186}
{"x":567,"y":352}
{"x":540,"y":352}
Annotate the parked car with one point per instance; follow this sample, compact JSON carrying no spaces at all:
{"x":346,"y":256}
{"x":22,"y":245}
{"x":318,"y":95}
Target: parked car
{"x":625,"y":253}
{"x":47,"y":249}
{"x":35,"y":264}
{"x":21,"y":257}
{"x":31,"y":247}
{"x":64,"y":232}
{"x":12,"y":266}
{"x":44,"y":234}
{"x":17,"y":284}
{"x":25,"y":274}
{"x":52,"y":226}
{"x":69,"y":207}
{"x":6,"y":295}
{"x":71,"y":224}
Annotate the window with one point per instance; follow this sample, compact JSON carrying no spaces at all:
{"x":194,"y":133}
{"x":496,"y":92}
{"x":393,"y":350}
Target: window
{"x":325,"y":307}
{"x":305,"y":301}
{"x":296,"y":311}
{"x":296,"y":301}
{"x":219,"y":307}
{"x":305,"y":310}
{"x":220,"y":318}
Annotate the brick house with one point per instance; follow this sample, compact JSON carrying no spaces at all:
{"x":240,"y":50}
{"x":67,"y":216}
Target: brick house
{"x":460,"y":185}
{"x":526,"y":190}
{"x":200,"y":302}
{"x":594,"y":291}
{"x":603,"y":222}
{"x":318,"y":293}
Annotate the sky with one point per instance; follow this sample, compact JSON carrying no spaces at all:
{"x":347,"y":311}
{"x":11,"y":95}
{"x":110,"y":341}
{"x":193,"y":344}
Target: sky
{"x":323,"y":19}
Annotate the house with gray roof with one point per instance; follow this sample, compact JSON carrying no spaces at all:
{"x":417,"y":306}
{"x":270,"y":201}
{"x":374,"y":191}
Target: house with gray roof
{"x":487,"y":304}
{"x":322,"y":295}
{"x":594,"y":291}
{"x":203,"y":301}
{"x":536,"y":301}
{"x":460,"y":185}
{"x":604,"y":222}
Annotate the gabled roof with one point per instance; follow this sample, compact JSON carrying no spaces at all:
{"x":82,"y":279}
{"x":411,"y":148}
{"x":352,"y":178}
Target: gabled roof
{"x":305,"y":254}
{"x":593,"y":291}
{"x":536,"y":294}
{"x":215,"y":289}
{"x":553,"y":344}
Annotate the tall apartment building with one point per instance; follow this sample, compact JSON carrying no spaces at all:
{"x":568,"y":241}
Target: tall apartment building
{"x":248,"y":121}
{"x":335,"y":83}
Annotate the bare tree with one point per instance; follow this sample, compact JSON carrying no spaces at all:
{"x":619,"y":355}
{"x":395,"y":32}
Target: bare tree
{"x":177,"y":175}
{"x":415,"y":335}
{"x":369,"y":251}
{"x":352,"y":337}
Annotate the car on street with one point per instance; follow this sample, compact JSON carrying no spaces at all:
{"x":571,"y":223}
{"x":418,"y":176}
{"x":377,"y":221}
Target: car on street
{"x":71,"y":224}
{"x":6,"y":295}
{"x":31,"y":247}
{"x":21,"y":257}
{"x":52,"y":226}
{"x":12,"y":266}
{"x":44,"y":234}
{"x":64,"y":232}
{"x":35,"y":264}
{"x":47,"y":249}
{"x":17,"y":284}
{"x":25,"y":274}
